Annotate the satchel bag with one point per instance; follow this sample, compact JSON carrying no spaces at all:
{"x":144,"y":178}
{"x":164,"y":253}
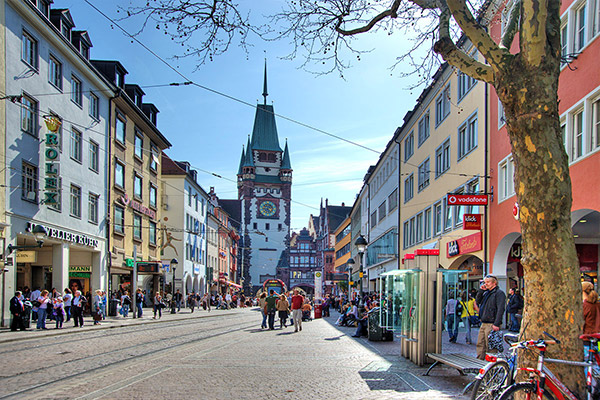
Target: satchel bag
{"x":495,"y":341}
{"x":474,"y":321}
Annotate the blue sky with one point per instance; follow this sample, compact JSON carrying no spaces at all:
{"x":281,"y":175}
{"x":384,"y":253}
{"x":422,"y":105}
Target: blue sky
{"x":209,"y":130}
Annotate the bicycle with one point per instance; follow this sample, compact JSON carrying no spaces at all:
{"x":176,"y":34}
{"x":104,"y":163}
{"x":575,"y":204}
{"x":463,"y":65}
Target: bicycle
{"x":499,"y":373}
{"x":543,"y":384}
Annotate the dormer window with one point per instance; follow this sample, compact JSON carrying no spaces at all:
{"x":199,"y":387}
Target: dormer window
{"x":44,"y":7}
{"x":66,"y":31}
{"x":85,"y":51}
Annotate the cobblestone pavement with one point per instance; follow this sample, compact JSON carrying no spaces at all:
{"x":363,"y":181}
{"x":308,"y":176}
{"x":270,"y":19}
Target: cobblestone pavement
{"x":226,"y":356}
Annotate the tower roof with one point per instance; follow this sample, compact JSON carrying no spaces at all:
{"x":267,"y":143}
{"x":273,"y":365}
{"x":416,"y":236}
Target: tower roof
{"x":264,"y":134}
{"x":285,"y":163}
{"x":242,"y":158}
{"x":249,"y":160}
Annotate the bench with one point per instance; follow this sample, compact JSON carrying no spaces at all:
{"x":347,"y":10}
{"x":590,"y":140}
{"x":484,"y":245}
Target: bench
{"x":463,"y":363}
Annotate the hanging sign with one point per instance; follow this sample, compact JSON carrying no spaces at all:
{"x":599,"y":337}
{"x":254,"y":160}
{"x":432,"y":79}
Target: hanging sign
{"x":467,"y":199}
{"x":52,"y":158}
{"x":465,"y":245}
{"x":472,"y":221}
{"x":516,"y":211}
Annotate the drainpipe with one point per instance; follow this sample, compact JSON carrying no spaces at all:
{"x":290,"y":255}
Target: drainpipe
{"x":398,"y":207}
{"x":108,"y":193}
{"x":486,"y":174}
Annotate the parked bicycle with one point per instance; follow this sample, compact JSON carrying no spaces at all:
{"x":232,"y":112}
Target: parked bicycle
{"x":543,"y":384}
{"x":499,"y":372}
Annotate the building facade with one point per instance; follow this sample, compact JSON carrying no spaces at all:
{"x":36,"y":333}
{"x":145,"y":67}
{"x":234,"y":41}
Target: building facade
{"x":302,"y":263}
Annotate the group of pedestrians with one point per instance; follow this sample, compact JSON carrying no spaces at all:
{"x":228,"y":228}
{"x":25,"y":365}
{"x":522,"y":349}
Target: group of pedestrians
{"x":283,"y":305}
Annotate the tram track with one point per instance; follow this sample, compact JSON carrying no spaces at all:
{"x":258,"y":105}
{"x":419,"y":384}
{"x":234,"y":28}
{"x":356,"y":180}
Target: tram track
{"x":100,"y":333}
{"x":153,"y":351}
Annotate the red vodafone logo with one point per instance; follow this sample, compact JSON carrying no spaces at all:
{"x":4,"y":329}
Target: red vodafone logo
{"x":467,"y":199}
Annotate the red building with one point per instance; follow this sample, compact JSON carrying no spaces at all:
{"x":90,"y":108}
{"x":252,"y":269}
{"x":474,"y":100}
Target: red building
{"x":579,"y":108}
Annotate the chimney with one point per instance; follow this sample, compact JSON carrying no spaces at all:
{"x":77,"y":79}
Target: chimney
{"x":343,"y":204}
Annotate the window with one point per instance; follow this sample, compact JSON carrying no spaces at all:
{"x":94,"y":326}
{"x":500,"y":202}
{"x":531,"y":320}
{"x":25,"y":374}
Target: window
{"x":93,"y":208}
{"x":137,"y":226}
{"x":374,"y":218}
{"x":506,"y":178}
{"x":472,"y":187}
{"x":29,"y":113}
{"x":75,"y":201}
{"x":442,"y":106}
{"x":409,"y":146}
{"x":579,"y":41}
{"x":406,"y":235}
{"x":447,"y":215}
{"x":437,"y":218}
{"x":393,"y":200}
{"x":382,"y":211}
{"x":138,"y":145}
{"x":465,"y":84}
{"x":409,"y":184}
{"x":152,"y":196}
{"x":55,"y":72}
{"x":76,"y":144}
{"x":76,"y":91}
{"x":577,"y":142}
{"x":501,"y":115}
{"x":120,"y":128}
{"x":467,"y":136}
{"x":442,"y":158}
{"x":44,"y":7}
{"x":29,"y":50}
{"x":94,"y":106}
{"x":424,"y":169}
{"x":29,"y":182}
{"x":137,"y":186}
{"x":279,"y":227}
{"x":595,"y":10}
{"x":595,"y":137}
{"x":152,"y":232}
{"x":419,"y":228}
{"x":119,"y":219}
{"x":119,"y":175}
{"x":255,"y":226}
{"x":153,"y":157}
{"x":267,"y":226}
{"x":423,"y":128}
{"x":459,"y":211}
{"x":427,"y":224}
{"x":564,"y":43}
{"x":411,"y":231}
{"x":94,"y":156}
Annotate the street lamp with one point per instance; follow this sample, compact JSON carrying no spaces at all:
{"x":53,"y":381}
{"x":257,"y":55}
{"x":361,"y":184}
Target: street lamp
{"x":349,"y":267}
{"x":361,"y":246}
{"x":173,"y":266}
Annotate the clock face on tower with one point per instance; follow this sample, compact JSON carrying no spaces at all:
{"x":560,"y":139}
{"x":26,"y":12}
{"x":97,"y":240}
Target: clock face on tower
{"x":268,"y":208}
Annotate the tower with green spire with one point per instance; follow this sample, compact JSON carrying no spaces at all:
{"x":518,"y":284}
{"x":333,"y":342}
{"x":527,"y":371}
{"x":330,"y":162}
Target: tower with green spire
{"x":265,"y":191}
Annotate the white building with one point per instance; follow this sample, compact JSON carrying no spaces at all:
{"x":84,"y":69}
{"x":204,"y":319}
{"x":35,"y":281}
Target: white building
{"x":57,"y":181}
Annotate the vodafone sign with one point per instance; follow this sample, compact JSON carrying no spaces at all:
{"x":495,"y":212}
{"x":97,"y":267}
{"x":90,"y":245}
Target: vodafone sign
{"x":467,"y":199}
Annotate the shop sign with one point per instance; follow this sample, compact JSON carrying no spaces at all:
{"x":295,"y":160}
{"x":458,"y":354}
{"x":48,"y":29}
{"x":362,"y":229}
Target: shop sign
{"x":427,"y":252}
{"x":148,"y":267}
{"x":472,"y":222}
{"x":196,"y":269}
{"x":26,"y":256}
{"x":52,"y":159}
{"x":66,"y":236}
{"x":467,"y":199}
{"x":466,"y":245}
{"x":137,"y":206}
{"x":80,"y":268}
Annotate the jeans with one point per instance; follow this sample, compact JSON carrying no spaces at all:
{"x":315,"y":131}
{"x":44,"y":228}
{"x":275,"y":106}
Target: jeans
{"x":452,"y":326}
{"x":271,"y":319}
{"x":264,"y":321}
{"x":41,"y":322}
{"x":178,"y":305}
{"x":59,"y":319}
{"x":297,"y":315}
{"x":158,"y":307}
{"x":468,"y":327}
{"x":125,"y":310}
{"x":140,"y":312}
{"x":77,"y":316}
{"x":514,"y":323}
{"x":68,"y":313}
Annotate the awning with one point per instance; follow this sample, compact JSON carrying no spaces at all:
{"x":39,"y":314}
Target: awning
{"x":235,"y":285}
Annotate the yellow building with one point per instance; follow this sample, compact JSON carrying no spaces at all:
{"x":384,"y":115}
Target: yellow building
{"x":136,"y":147}
{"x":342,"y":245}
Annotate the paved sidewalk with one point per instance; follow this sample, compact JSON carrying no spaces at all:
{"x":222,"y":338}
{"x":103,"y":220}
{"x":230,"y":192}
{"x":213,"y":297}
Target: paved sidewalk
{"x":6,"y":335}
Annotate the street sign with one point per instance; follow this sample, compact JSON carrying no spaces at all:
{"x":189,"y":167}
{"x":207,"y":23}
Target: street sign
{"x":472,"y":221}
{"x":467,"y":199}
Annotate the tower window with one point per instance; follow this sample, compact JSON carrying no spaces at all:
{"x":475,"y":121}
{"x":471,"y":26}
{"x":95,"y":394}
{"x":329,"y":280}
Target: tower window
{"x":267,"y":226}
{"x":255,"y":226}
{"x":279,"y":227}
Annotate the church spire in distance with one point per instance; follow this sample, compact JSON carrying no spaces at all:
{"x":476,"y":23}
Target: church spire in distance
{"x":265,"y":92}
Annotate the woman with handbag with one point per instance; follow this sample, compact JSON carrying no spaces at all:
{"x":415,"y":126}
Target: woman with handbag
{"x":43,"y":301}
{"x":283,"y":308}
{"x":466,"y":315}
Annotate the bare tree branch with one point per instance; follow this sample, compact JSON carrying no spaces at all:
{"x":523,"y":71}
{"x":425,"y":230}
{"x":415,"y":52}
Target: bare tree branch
{"x":512,"y":26}
{"x":465,"y":63}
{"x":392,"y":13}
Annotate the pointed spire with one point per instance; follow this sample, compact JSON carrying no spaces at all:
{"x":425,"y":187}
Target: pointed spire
{"x":240,"y":170}
{"x":265,"y":92}
{"x":285,"y":163}
{"x":249,"y":161}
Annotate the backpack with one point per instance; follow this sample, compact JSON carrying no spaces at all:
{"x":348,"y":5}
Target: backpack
{"x":459,"y":308}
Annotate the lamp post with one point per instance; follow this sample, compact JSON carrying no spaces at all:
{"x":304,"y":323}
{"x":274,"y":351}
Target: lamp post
{"x":39,"y":232}
{"x":361,"y":246}
{"x":349,"y":267}
{"x":173,"y":266}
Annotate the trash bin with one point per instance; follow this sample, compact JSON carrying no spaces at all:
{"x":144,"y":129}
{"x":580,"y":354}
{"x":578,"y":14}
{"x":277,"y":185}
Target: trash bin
{"x":376,"y":332}
{"x":318,"y":311}
{"x":112,"y":307}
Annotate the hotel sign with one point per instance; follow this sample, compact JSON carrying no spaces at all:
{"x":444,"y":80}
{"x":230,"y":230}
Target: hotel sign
{"x":137,"y":206}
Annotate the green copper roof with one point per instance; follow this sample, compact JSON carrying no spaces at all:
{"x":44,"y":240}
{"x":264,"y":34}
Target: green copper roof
{"x":264,"y":134}
{"x":241,"y":161}
{"x":267,"y":179}
{"x":249,"y":160}
{"x":285,"y":163}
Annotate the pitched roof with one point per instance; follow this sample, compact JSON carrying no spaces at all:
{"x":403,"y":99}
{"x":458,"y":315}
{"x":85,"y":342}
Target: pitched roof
{"x":336,"y":214}
{"x":234,"y":209}
{"x":249,"y":160}
{"x":264,"y":134}
{"x":286,"y":164}
{"x":241,"y":161}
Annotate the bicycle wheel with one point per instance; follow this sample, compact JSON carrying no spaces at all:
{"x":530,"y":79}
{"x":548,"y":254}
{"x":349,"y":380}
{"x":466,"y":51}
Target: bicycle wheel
{"x":492,"y":382}
{"x":523,"y":391}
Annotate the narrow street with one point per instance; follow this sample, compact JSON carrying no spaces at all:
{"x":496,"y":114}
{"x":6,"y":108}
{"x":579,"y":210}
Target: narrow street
{"x":221,"y":356}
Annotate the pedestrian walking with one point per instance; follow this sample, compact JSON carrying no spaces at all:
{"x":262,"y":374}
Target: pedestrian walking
{"x":67,"y":298}
{"x":271,"y":308}
{"x":514,"y":307}
{"x":192,"y":301}
{"x":59,"y":312}
{"x":43,"y":301}
{"x":125,"y":304}
{"x":35,"y":295}
{"x":178,"y":297}
{"x":139,"y":302}
{"x":97,"y":307}
{"x":17,"y":309}
{"x":158,"y":305}
{"x":78,"y":304}
{"x":591,"y":309}
{"x":468,"y":311}
{"x":297,"y":303}
{"x":283,"y":309}
{"x":491,"y":302}
{"x":452,"y":318}
{"x":262,"y":303}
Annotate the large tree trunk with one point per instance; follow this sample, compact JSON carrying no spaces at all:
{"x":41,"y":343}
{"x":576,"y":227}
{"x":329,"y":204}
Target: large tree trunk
{"x":543,"y":188}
